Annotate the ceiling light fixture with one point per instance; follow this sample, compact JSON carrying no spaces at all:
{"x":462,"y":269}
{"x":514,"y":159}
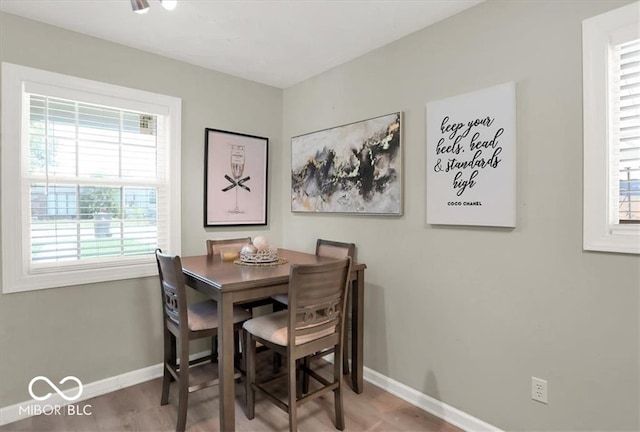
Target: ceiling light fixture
{"x":169,"y":4}
{"x":140,"y":6}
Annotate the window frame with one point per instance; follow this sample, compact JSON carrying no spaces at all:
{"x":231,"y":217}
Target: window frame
{"x":16,"y":274}
{"x":599,"y":232}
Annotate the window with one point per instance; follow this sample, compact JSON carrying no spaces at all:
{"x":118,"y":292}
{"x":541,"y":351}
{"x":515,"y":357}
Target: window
{"x":90,"y":180}
{"x":624,"y":90}
{"x":611,"y":80}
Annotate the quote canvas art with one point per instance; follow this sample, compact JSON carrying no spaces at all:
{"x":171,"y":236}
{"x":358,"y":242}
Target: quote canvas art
{"x":471,"y":158}
{"x":354,"y":168}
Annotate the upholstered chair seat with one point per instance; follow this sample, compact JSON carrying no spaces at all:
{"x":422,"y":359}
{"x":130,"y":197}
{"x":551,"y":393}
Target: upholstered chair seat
{"x":204,"y":315}
{"x":275,"y":329}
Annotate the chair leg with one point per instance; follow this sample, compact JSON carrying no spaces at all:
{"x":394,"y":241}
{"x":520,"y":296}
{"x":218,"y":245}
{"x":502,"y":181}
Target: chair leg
{"x":242,"y":356}
{"x":299,"y":380}
{"x":173,"y":352}
{"x":236,"y":349}
{"x":277,"y":363}
{"x":166,"y":380}
{"x":305,"y":376}
{"x":345,"y":340}
{"x":250,"y":359}
{"x":214,"y":349}
{"x":337,"y":393}
{"x":183,"y":394}
{"x":345,"y":355}
{"x":166,"y":376}
{"x":293,"y":402}
{"x":277,"y":358}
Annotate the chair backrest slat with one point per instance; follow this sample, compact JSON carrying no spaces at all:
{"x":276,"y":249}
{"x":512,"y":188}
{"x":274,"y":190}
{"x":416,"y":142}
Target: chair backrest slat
{"x":214,"y":246}
{"x":334,"y":249}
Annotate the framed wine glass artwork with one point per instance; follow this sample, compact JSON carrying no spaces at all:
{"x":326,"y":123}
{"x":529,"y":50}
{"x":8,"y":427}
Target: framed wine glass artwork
{"x":235,"y":178}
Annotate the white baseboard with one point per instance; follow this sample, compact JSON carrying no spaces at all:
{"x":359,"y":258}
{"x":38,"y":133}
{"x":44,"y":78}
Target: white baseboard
{"x":446,"y":412}
{"x":20,"y":411}
{"x":24,"y":409}
{"x":433,"y":406}
{"x":437,"y":408}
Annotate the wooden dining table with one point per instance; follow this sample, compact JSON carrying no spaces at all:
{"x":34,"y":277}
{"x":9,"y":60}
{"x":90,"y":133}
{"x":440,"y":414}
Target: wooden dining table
{"x":229,"y":283}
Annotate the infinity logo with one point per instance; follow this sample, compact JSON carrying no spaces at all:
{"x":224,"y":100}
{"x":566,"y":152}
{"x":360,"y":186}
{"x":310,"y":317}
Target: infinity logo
{"x":53,"y":386}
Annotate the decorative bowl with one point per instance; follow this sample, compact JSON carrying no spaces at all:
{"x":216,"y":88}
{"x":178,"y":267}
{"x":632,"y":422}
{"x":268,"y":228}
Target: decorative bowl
{"x":262,"y":256}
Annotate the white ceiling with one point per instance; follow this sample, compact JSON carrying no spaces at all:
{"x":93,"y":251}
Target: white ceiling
{"x":279,"y":43}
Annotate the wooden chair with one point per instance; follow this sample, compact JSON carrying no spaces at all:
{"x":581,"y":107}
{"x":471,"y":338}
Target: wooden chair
{"x":313,"y":323}
{"x":183,"y":323}
{"x":334,"y":249}
{"x":325,"y":248}
{"x":331,"y":249}
{"x":214,"y":247}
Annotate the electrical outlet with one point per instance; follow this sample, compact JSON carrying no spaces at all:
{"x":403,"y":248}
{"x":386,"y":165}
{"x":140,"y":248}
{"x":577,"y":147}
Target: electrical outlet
{"x":539,"y":390}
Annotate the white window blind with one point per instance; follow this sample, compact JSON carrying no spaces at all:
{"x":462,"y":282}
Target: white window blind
{"x":93,"y":180}
{"x":625,"y":131}
{"x":90,"y":180}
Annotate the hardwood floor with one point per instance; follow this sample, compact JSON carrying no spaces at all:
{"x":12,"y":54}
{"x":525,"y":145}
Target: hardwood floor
{"x":137,"y":408}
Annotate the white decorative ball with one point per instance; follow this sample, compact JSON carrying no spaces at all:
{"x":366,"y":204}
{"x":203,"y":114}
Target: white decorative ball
{"x":261,"y":242}
{"x":248,"y":249}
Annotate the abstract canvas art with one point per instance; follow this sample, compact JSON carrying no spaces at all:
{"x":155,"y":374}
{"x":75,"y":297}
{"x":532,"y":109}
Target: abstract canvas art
{"x":354,"y":168}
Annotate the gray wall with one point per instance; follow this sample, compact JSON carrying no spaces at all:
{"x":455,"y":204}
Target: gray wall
{"x":101,"y":330}
{"x":467,"y":315}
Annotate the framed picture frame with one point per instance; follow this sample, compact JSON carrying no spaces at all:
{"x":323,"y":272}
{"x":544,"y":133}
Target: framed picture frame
{"x":471,"y":158}
{"x":355,"y":168}
{"x":235,"y":178}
